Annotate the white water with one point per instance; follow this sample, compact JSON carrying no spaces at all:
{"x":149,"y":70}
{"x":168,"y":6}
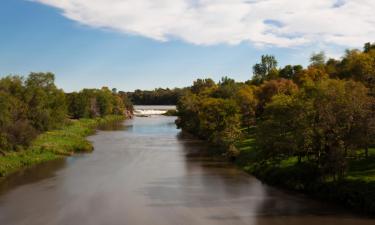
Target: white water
{"x":147,"y":110}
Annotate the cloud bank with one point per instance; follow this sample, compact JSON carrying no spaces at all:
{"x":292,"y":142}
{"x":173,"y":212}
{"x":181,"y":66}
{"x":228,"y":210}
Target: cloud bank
{"x":281,"y":23}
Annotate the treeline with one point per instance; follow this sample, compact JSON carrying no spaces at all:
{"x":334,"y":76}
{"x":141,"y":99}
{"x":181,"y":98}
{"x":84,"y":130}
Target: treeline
{"x":159,"y":96}
{"x":32,"y":105}
{"x":322,"y":115}
{"x":91,"y":103}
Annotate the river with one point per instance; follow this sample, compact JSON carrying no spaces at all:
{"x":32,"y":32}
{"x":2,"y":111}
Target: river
{"x":147,"y":173}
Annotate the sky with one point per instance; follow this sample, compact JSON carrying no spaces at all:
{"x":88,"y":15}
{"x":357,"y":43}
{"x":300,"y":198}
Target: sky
{"x":145,"y":44}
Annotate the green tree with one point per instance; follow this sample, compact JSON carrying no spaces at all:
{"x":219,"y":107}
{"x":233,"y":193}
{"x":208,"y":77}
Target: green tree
{"x":187,"y":109}
{"x":311,"y":75}
{"x":277,"y":130}
{"x":247,"y":101}
{"x":200,"y":85}
{"x":104,"y":101}
{"x":368,"y":47}
{"x":219,"y":121}
{"x":265,"y":70}
{"x":360,"y":67}
{"x":318,"y":59}
{"x":46,"y":103}
{"x":324,"y":121}
{"x":290,"y":72}
{"x":227,"y":88}
{"x":268,"y":89}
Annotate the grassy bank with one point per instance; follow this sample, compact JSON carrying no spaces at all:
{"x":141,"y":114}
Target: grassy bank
{"x":55,"y":144}
{"x":356,"y":190}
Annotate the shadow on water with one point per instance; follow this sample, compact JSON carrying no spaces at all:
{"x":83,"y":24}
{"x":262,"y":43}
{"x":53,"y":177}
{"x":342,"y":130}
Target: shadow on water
{"x":212,"y":182}
{"x":47,"y":169}
{"x":114,"y":126}
{"x":31,"y":175}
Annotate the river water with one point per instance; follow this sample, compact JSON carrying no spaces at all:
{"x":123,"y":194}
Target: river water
{"x":147,"y":173}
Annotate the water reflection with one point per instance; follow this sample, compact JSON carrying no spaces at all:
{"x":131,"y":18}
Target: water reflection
{"x":114,"y":126}
{"x":31,"y":175}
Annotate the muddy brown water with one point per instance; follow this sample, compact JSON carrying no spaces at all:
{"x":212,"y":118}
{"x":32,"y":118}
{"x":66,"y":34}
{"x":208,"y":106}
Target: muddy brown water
{"x":146,"y":173}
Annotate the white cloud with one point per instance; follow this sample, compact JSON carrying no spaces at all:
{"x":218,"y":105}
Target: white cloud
{"x":282,"y":23}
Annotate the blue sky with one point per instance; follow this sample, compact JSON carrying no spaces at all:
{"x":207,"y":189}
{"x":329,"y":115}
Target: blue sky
{"x":86,"y":48}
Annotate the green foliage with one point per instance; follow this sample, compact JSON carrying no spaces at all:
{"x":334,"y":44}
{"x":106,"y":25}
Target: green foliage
{"x":219,"y":121}
{"x":247,"y":102}
{"x":201,"y":86}
{"x":290,"y":72}
{"x":92,"y":103}
{"x":265,"y":70}
{"x":368,"y":47}
{"x":313,"y":130}
{"x":46,"y":104}
{"x":209,"y":112}
{"x":33,"y":105}
{"x":268,"y":89}
{"x":318,"y":59}
{"x":226,"y":88}
{"x":159,"y":96}
{"x":323,"y":122}
{"x":29,"y":107}
{"x":188,"y":109}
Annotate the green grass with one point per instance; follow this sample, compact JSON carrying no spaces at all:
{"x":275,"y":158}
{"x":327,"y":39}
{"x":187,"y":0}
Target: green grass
{"x":360,"y":169}
{"x":247,"y":157}
{"x":363,"y":169}
{"x":55,"y":144}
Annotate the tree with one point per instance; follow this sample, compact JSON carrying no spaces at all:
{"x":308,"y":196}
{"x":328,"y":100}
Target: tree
{"x":118,"y":105}
{"x":276,"y":132}
{"x":332,"y":68}
{"x":46,"y":103}
{"x":247,"y":101}
{"x":91,"y":103}
{"x":273,"y":87}
{"x":126,"y":101}
{"x":324,"y":122}
{"x":311,"y":75}
{"x":15,"y":129}
{"x":32,"y":105}
{"x":227,"y":88}
{"x":265,"y":70}
{"x":360,"y":67}
{"x":368,"y":47}
{"x":318,"y":59}
{"x":219,"y":121}
{"x":104,"y":101}
{"x":158,"y":96}
{"x":290,"y":72}
{"x":187,"y":109}
{"x":202,"y":84}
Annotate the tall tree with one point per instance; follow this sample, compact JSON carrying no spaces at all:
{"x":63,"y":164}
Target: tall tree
{"x":266,"y":69}
{"x":318,"y":59}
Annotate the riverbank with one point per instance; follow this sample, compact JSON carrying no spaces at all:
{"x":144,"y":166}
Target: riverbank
{"x":51,"y":145}
{"x":356,"y":190}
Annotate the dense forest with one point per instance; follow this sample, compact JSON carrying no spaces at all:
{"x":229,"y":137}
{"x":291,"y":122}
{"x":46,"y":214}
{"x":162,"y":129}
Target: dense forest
{"x":303,"y":128}
{"x":32,"y":105}
{"x":159,"y":96}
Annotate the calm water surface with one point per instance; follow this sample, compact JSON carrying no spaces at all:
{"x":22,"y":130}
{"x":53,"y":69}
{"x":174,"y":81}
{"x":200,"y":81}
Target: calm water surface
{"x":147,"y":173}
